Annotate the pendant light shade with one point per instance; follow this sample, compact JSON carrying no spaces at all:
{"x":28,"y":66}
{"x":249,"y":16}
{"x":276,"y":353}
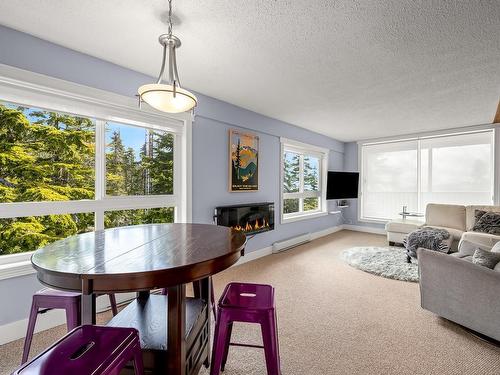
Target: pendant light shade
{"x":168,"y":97}
{"x":161,"y":97}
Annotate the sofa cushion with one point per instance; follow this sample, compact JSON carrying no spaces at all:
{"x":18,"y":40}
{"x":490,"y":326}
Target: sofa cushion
{"x":445,"y":215}
{"x":471,"y":210}
{"x":468,"y":248}
{"x":487,"y":222}
{"x":402,"y":226}
{"x":468,"y":258}
{"x":456,"y":234}
{"x":484,"y":239}
{"x":485,"y":258}
{"x":496,"y":248}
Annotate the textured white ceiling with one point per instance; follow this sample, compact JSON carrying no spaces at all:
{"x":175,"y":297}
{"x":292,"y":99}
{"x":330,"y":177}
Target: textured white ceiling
{"x":350,"y":69}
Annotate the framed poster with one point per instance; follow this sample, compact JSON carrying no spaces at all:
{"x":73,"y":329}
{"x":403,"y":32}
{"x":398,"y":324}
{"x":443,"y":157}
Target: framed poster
{"x":243,"y":161}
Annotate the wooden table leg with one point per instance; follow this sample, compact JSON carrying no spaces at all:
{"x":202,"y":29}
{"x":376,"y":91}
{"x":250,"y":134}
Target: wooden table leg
{"x":176,"y":330}
{"x":88,"y":303}
{"x":206,"y":289}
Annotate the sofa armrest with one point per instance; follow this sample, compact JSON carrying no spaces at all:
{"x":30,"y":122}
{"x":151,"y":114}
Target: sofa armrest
{"x":460,"y":291}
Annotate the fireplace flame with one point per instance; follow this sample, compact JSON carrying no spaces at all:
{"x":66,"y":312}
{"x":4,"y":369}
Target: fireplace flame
{"x":248,"y":227}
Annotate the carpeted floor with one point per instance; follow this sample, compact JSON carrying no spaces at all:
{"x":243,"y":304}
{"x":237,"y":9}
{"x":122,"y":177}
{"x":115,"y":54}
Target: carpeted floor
{"x":334,"y":319}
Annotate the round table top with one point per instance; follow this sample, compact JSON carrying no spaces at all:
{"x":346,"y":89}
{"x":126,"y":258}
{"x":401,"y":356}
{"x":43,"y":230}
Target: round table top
{"x":138,"y":257}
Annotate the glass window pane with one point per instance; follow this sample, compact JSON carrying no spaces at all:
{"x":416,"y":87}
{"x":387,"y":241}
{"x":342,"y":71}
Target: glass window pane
{"x":45,"y":155}
{"x":311,"y":204}
{"x":123,"y":218}
{"x":139,"y":161}
{"x":290,"y":206}
{"x":23,"y":234}
{"x":457,"y":169}
{"x":311,"y":173}
{"x":389,"y":179}
{"x":291,"y":172}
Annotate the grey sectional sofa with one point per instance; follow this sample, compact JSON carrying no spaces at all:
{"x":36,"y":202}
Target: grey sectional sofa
{"x":453,"y":287}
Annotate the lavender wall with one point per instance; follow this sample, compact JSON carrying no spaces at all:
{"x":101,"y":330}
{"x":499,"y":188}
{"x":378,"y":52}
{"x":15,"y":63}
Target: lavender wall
{"x":210,"y":146}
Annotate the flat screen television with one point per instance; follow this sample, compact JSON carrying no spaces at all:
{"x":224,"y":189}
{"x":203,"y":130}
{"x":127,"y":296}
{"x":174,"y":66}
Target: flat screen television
{"x":342,"y":185}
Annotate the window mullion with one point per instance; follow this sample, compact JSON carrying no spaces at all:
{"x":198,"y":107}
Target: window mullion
{"x":419,"y":176}
{"x":301,"y":182}
{"x":100,"y":171}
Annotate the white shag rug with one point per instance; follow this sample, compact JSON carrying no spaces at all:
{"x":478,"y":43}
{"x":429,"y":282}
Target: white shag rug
{"x":389,"y":262}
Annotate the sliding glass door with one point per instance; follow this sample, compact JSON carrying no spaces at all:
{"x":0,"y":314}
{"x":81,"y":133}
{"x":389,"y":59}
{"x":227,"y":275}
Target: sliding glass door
{"x":453,"y":169}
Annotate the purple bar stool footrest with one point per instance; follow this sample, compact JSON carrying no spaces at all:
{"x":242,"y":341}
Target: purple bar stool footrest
{"x":248,"y":303}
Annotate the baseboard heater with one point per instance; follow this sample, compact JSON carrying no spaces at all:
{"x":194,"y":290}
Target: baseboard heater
{"x":280,"y":246}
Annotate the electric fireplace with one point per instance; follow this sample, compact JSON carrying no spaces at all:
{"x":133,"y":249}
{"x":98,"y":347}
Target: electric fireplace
{"x":249,"y":218}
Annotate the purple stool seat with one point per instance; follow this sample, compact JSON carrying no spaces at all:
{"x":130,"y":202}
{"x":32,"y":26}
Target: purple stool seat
{"x":49,"y":299}
{"x":248,"y":303}
{"x":89,"y":350}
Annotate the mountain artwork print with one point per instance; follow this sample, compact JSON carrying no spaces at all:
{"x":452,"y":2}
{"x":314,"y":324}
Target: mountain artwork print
{"x":244,"y":161}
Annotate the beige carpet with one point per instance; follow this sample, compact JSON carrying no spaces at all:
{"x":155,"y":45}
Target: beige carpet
{"x":334,"y":319}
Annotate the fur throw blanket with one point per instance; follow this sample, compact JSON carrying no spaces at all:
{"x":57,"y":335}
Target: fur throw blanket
{"x":428,"y":238}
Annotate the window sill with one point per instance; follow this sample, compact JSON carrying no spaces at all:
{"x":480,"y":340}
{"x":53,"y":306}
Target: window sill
{"x":10,"y":270}
{"x":312,"y":215}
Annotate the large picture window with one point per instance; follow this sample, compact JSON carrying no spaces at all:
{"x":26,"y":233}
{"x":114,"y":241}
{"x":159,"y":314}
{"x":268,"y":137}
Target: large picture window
{"x":96,"y":174}
{"x":303,"y":186}
{"x":450,"y":169}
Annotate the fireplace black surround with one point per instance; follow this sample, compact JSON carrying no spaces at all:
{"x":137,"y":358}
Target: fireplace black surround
{"x":250,"y":218}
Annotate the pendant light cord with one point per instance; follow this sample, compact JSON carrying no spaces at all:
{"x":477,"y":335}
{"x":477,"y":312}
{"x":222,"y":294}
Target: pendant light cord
{"x":169,"y":17}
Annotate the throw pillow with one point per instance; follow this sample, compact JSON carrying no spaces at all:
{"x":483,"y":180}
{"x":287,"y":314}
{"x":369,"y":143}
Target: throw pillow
{"x":485,"y":258}
{"x":477,"y":215}
{"x":488,"y":223}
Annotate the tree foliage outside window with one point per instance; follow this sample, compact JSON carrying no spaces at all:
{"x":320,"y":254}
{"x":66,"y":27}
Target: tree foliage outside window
{"x":50,"y":156}
{"x":301,"y":182}
{"x":138,"y":168}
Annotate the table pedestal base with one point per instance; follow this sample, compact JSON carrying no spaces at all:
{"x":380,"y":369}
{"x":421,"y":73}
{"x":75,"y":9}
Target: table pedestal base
{"x":149,"y":317}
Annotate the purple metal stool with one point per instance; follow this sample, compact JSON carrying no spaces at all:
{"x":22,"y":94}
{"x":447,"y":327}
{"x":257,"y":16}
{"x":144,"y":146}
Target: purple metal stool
{"x":196,"y":284}
{"x":249,"y":303}
{"x":89,"y":350}
{"x":49,"y":299}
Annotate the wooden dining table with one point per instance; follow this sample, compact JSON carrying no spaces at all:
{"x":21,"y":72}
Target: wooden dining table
{"x":174,"y":329}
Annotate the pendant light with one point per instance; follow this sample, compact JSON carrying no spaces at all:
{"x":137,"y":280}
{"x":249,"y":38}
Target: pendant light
{"x":169,"y":96}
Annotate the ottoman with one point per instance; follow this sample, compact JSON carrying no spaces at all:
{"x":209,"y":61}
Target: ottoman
{"x":398,"y":229}
{"x":428,"y":238}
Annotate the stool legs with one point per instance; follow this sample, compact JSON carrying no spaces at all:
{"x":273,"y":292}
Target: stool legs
{"x":270,"y":339}
{"x":226,"y":345}
{"x":31,"y":329}
{"x":73,"y":316}
{"x":220,"y":337}
{"x":138,"y":364}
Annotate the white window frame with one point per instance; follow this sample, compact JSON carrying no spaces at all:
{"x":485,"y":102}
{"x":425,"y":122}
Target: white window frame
{"x":40,"y":91}
{"x":304,"y":149}
{"x":495,"y":129}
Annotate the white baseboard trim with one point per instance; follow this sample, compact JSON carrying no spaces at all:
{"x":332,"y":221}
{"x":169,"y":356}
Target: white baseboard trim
{"x":360,"y":228}
{"x":252,"y":255}
{"x":16,"y":330}
{"x":326,"y":232}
